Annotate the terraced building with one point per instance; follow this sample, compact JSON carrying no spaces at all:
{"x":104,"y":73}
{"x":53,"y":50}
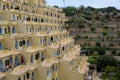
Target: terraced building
{"x":33,"y":45}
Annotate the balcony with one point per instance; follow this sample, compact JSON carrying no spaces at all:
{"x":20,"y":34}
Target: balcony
{"x":19,"y":70}
{"x":2,"y":75}
{"x":1,"y":37}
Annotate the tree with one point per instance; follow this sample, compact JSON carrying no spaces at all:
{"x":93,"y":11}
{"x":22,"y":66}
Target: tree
{"x":104,"y":33}
{"x":92,"y":29}
{"x":98,"y":44}
{"x":70,"y":10}
{"x":107,"y":16}
{"x":118,"y":33}
{"x":81,"y":9}
{"x":118,"y":75}
{"x":56,"y":6}
{"x":103,"y":61}
{"x":115,"y":13}
{"x":109,"y":69}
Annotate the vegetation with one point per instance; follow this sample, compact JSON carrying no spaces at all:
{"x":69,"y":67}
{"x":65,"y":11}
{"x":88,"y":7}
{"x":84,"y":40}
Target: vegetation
{"x":104,"y":33}
{"x":98,"y":36}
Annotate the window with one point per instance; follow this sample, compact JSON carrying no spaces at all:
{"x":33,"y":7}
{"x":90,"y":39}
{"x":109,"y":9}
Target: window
{"x":24,"y":18}
{"x":48,"y":40}
{"x":30,"y":29}
{"x":56,"y":68}
{"x":36,"y":29}
{"x":5,"y":30}
{"x":51,"y":38}
{"x":48,"y":72}
{"x":3,"y":7}
{"x":32,"y":78}
{"x":0,"y":46}
{"x":43,"y":29}
{"x":52,"y":67}
{"x":42,"y":56}
{"x":7,"y":62}
{"x":0,"y":6}
{"x":21,"y":43}
{"x":13,"y":17}
{"x":13,"y":30}
{"x":63,"y":48}
{"x":0,"y":30}
{"x":55,"y":54}
{"x":27,"y":29}
{"x":0,"y":17}
{"x":27,"y":75}
{"x":1,"y":65}
{"x":37,"y":56}
{"x":56,"y":78}
{"x":32,"y":59}
{"x":16,"y":61}
{"x":19,"y":78}
{"x":41,"y":43}
{"x":16,"y":44}
{"x":10,"y":60}
{"x":24,"y":77}
{"x":8,"y":29}
{"x":28,"y":43}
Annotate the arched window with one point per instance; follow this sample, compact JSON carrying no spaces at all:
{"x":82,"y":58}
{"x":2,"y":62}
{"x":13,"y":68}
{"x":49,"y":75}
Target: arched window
{"x":37,"y":56}
{"x":41,"y":43}
{"x":5,"y":30}
{"x":13,"y":30}
{"x":16,"y":44}
{"x":22,"y":59}
{"x":0,"y":30}
{"x":42,"y":20}
{"x":32,"y":59}
{"x":48,"y":40}
{"x":32,"y":76}
{"x":36,"y":29}
{"x":51,"y":38}
{"x":42,"y":56}
{"x":8,"y":29}
{"x":63,"y":48}
{"x":27,"y":29}
{"x":0,"y":46}
{"x":52,"y":67}
{"x":28,"y":75}
{"x":30,"y":29}
{"x":11,"y":60}
{"x":16,"y":61}
{"x":56,"y":68}
{"x":28,"y":43}
{"x":23,"y":42}
{"x":1,"y":65}
{"x":48,"y":72}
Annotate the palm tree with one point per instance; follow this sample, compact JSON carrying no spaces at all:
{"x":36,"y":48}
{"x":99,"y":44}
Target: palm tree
{"x":81,"y":9}
{"x":104,"y":33}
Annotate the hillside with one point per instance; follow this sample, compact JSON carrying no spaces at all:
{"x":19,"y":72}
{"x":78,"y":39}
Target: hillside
{"x":95,"y":29}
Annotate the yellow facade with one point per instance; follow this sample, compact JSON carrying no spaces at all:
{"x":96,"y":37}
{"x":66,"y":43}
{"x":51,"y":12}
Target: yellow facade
{"x":33,"y":45}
